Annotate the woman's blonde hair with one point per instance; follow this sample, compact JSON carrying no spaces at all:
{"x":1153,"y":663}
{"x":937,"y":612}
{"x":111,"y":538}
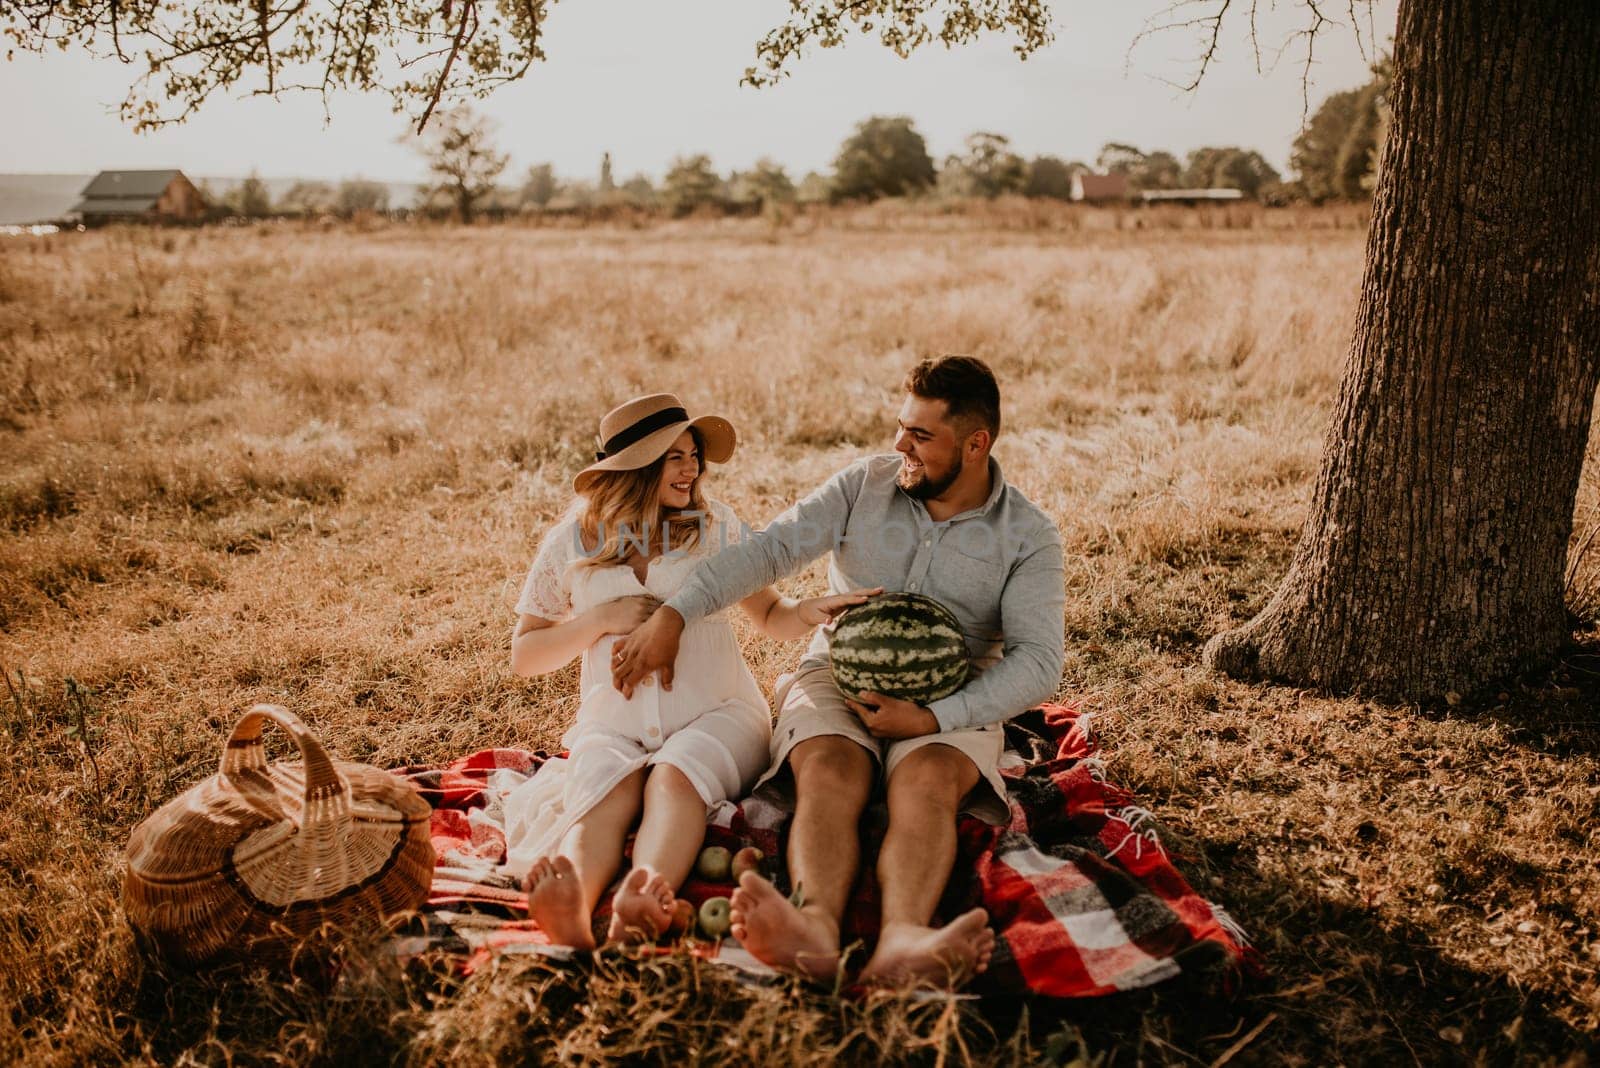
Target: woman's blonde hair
{"x":623,"y":509}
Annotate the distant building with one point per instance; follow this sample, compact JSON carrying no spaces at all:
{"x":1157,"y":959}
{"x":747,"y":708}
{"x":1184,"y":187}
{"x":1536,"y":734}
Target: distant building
{"x":1099,"y":188}
{"x":1189,"y":196}
{"x":145,"y":196}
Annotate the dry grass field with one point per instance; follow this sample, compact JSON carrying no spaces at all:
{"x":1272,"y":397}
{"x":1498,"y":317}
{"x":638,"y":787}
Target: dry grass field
{"x":311,"y":466}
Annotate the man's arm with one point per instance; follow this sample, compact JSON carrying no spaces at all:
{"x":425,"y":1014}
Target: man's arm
{"x":760,"y":558}
{"x":1032,"y":606}
{"x":791,"y":541}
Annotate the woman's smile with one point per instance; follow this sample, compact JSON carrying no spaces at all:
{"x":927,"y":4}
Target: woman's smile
{"x":676,"y":493}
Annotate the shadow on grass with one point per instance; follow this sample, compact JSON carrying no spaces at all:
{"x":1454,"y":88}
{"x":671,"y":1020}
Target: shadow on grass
{"x":1554,"y":710}
{"x":1343,"y":987}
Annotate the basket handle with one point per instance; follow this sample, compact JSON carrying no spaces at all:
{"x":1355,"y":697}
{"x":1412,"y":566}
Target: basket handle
{"x":244,"y":751}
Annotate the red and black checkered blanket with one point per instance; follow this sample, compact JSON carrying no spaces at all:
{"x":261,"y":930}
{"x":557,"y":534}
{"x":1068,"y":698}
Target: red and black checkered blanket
{"x":1079,"y":889}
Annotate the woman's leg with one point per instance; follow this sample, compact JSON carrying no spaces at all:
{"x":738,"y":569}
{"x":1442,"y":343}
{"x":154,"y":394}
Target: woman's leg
{"x":563,"y":890}
{"x":673,"y":826}
{"x":669,"y":837}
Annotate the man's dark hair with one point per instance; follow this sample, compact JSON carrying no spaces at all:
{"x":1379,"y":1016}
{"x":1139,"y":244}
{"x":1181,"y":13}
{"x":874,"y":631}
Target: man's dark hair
{"x":965,"y":384}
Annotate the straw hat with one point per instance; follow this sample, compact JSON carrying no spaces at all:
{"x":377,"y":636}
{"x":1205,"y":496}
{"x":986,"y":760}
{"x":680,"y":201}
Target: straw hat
{"x":636,"y":434}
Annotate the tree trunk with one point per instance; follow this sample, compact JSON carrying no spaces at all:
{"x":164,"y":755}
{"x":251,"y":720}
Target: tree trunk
{"x":1433,"y":555}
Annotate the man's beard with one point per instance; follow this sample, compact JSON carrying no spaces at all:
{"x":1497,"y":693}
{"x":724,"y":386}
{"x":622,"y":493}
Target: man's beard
{"x":927,"y":488}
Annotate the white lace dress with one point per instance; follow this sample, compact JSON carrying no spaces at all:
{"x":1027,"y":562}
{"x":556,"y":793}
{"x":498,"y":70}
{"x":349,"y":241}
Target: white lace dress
{"x":714,"y":725}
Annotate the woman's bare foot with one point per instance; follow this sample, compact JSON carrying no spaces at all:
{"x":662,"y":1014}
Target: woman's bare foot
{"x":641,"y":908}
{"x":555,"y":903}
{"x":803,"y":940}
{"x":946,"y":957}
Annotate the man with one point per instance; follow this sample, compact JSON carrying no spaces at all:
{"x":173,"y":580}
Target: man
{"x":937,"y":519}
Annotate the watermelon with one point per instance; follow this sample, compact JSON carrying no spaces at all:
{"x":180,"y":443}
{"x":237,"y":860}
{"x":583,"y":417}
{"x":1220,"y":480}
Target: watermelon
{"x":901,"y":644}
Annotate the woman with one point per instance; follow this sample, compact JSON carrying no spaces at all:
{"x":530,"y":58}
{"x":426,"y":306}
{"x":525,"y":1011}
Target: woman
{"x":662,"y":757}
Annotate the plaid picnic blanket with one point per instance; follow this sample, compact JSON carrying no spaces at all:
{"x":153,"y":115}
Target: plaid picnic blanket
{"x":1080,"y":891}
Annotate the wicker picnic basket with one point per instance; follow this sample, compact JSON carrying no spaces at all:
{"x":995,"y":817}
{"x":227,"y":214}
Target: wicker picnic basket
{"x":258,"y":856}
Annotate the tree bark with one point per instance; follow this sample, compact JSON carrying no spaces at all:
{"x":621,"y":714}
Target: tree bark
{"x":1433,"y":555}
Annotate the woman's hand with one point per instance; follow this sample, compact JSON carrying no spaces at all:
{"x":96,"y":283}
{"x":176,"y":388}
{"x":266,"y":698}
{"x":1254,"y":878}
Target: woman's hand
{"x":814,"y":611}
{"x":623,"y":615}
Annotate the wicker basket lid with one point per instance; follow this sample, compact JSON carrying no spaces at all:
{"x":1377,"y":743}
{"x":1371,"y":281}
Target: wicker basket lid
{"x":276,"y":850}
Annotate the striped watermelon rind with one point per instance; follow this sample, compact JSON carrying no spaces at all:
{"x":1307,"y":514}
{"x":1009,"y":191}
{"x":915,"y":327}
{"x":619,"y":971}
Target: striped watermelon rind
{"x":904,"y":645}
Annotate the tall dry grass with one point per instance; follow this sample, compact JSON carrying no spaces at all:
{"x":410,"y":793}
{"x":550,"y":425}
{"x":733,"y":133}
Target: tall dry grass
{"x":310,"y":467}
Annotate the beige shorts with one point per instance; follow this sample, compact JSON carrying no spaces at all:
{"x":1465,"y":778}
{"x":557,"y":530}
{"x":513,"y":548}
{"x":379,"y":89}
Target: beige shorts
{"x":810,"y":705}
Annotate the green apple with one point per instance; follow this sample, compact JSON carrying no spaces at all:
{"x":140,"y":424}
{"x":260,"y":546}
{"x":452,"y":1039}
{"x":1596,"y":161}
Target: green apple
{"x":715,"y":864}
{"x":716,"y":916}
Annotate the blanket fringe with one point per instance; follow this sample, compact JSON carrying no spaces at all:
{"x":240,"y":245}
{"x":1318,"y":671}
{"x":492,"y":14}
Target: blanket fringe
{"x":1136,"y":817}
{"x":1229,"y":924}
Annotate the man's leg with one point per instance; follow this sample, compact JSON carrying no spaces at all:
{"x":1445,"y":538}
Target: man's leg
{"x":832,"y":782}
{"x":926,"y":789}
{"x":833,"y":778}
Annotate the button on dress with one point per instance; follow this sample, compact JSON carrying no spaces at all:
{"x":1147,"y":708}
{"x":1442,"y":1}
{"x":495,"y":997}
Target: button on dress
{"x":714,"y":725}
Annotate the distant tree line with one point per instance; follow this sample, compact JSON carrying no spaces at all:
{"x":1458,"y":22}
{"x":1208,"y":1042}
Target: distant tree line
{"x":251,"y":198}
{"x":886,"y":157}
{"x":1335,"y":158}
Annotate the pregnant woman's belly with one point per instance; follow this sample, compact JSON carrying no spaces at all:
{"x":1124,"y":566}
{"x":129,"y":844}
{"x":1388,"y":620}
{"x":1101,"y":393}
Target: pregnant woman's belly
{"x":710,"y":672}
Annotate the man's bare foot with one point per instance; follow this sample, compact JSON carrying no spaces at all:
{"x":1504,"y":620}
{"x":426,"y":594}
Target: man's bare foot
{"x":555,"y":903}
{"x":803,"y":940}
{"x":945,"y":957}
{"x":641,"y":907}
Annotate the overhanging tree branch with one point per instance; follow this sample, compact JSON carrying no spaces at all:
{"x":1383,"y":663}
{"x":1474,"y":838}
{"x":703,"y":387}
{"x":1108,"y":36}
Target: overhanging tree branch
{"x":901,"y":25}
{"x":1209,"y":26}
{"x":191,"y":49}
{"x":468,"y":8}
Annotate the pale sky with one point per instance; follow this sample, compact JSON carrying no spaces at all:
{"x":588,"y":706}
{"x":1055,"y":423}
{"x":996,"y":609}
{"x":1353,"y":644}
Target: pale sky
{"x":648,"y":80}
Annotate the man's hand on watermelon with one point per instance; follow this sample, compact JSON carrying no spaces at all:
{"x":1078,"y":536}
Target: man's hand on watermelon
{"x":890,"y":717}
{"x":650,"y":650}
